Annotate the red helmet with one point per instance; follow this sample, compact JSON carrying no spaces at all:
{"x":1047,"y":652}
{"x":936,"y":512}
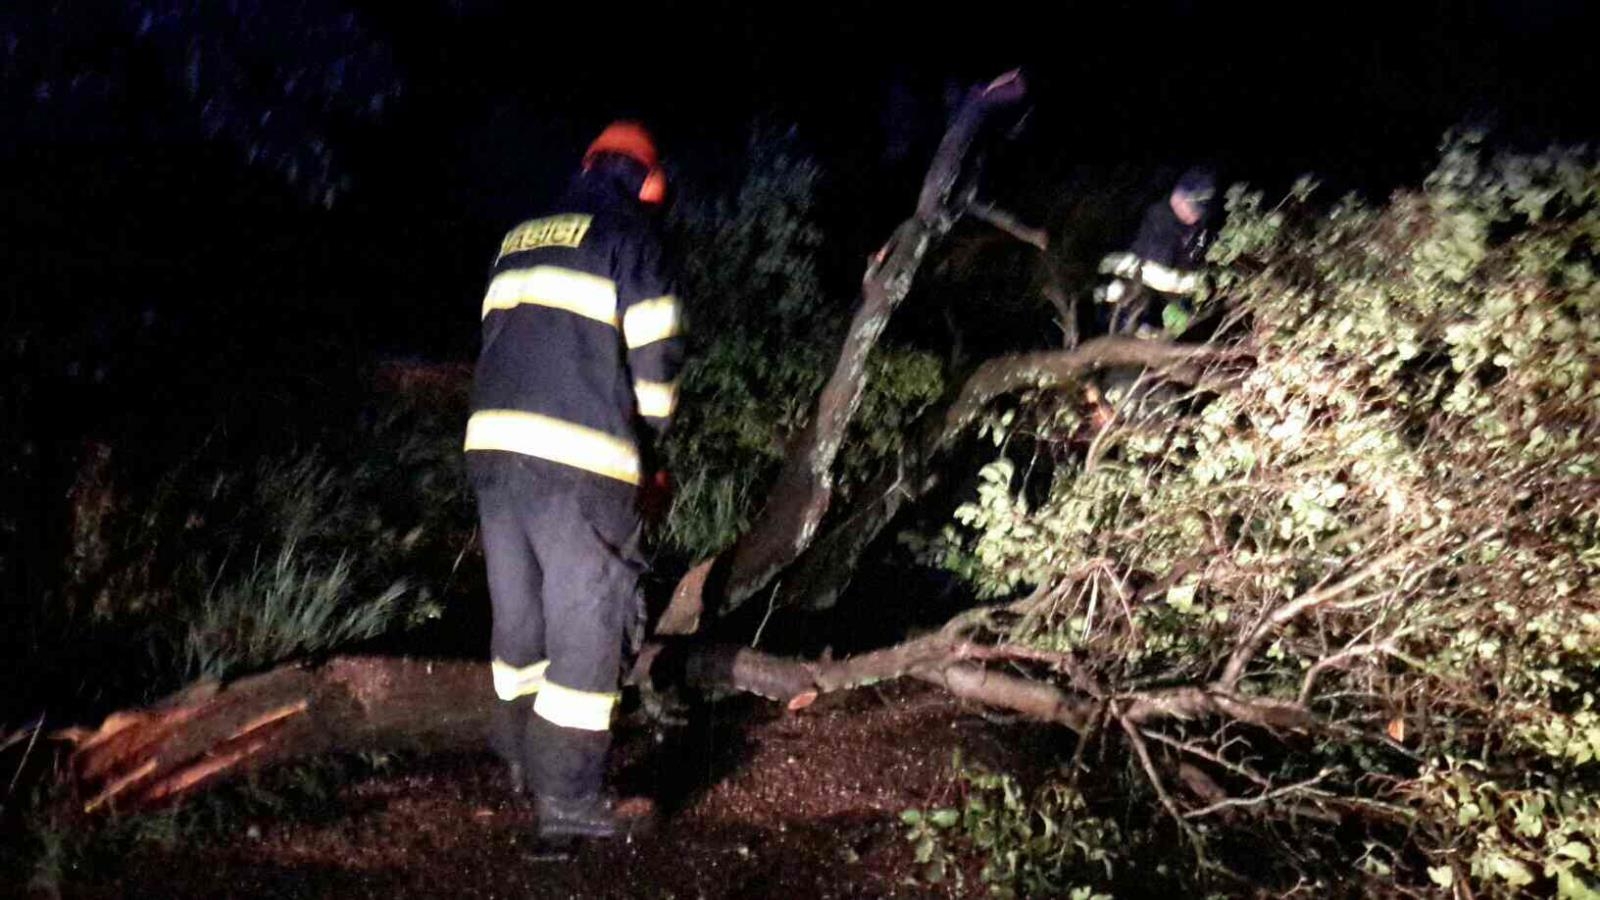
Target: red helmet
{"x":630,"y":139}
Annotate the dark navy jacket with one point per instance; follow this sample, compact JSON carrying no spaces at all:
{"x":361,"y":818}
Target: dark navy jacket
{"x":1164,"y":256}
{"x":582,"y":336}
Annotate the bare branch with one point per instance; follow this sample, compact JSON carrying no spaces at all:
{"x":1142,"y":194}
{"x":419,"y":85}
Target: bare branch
{"x":1259,"y":799}
{"x":1344,"y":656}
{"x":1207,"y":755}
{"x":1250,"y":646}
{"x":1143,"y":753}
{"x":800,"y":496}
{"x":1008,"y":223}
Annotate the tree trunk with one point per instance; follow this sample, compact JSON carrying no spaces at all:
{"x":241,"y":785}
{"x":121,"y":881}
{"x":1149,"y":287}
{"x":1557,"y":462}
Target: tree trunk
{"x":348,"y":704}
{"x":210,"y":732}
{"x":800,"y":496}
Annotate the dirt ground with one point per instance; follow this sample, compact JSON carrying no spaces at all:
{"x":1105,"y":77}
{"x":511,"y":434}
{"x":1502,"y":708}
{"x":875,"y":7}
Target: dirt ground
{"x":759,"y":803}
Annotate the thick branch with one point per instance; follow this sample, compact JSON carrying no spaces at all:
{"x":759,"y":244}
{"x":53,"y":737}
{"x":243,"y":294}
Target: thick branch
{"x":1192,"y":702}
{"x":800,"y":496}
{"x":211,"y":732}
{"x":999,"y":218}
{"x":1054,"y":368}
{"x":821,"y":574}
{"x":1034,"y":699}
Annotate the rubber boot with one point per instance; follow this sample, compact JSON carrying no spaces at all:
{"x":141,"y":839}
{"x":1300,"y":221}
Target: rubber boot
{"x":508,"y":735}
{"x":568,"y":766}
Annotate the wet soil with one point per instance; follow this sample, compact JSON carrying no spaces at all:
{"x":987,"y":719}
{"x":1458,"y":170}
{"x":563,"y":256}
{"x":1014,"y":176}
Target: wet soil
{"x":757,"y":803}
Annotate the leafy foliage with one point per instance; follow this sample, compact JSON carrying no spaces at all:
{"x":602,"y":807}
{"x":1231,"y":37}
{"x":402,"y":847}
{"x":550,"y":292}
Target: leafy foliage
{"x":1385,"y":519}
{"x":1043,"y":844}
{"x":228,"y":564}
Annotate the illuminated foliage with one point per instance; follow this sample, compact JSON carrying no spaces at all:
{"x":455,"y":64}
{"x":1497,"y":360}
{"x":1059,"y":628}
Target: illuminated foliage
{"x":1385,"y":518}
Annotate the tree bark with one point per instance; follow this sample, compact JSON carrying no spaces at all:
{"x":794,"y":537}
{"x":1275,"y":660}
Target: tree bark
{"x":804,"y":487}
{"x":210,"y":732}
{"x":824,"y":570}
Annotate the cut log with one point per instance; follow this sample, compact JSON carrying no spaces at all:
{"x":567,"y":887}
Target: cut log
{"x":210,"y":732}
{"x":350,"y":704}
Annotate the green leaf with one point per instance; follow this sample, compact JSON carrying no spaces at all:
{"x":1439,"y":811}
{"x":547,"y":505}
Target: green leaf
{"x":1174,"y":319}
{"x":1575,"y":850}
{"x":1512,"y":871}
{"x":1572,"y":887}
{"x":944,"y":818}
{"x":911,"y":816}
{"x":1443,"y":876}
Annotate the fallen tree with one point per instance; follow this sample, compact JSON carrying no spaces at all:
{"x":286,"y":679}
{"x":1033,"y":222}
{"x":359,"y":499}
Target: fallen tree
{"x":210,"y":731}
{"x":1339,"y":587}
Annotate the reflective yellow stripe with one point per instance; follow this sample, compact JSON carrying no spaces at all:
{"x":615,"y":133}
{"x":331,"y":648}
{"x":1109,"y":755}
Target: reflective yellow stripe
{"x":656,"y":400}
{"x":649,"y":321}
{"x":511,"y":682}
{"x":1167,"y":280}
{"x":1125,"y":265}
{"x":569,"y":708}
{"x":549,"y":438}
{"x":1162,"y":278}
{"x":576,"y":292}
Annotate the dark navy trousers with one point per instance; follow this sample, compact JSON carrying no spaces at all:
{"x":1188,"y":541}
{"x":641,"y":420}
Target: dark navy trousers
{"x":563,"y":556}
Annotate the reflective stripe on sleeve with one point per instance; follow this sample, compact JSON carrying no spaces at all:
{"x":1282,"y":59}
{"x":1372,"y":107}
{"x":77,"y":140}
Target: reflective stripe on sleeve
{"x":576,"y":292}
{"x":656,"y":400}
{"x":649,"y":321}
{"x":550,"y":438}
{"x":511,"y":682}
{"x":571,"y":708}
{"x":1123,"y":265}
{"x":1111,"y":293}
{"x":1168,"y":280}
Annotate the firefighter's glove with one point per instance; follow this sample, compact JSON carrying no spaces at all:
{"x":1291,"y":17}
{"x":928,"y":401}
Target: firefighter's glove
{"x":655,"y":497}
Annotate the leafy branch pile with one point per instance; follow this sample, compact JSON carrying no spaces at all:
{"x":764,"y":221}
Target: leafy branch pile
{"x":1338,"y":588}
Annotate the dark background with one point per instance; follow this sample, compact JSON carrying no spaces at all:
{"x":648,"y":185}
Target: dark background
{"x":121,"y":205}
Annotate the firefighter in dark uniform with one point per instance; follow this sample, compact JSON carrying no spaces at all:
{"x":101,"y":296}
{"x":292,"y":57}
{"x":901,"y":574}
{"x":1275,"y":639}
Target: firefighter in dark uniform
{"x":1153,"y":281}
{"x":575,"y":384}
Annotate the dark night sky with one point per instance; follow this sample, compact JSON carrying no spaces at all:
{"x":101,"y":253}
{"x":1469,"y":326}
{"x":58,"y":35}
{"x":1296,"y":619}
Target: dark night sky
{"x":503,"y":95}
{"x":499,"y":98}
